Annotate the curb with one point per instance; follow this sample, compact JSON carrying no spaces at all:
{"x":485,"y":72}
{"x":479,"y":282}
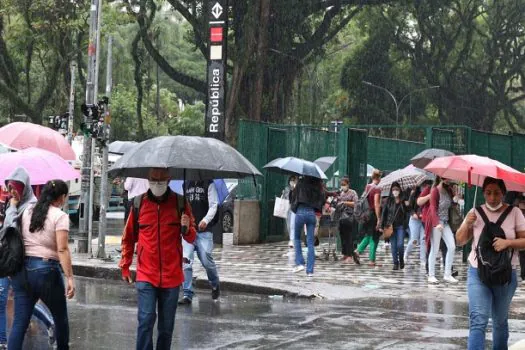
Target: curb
{"x":112,"y":273}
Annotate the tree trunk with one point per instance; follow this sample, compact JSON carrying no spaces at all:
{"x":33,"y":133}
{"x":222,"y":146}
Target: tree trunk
{"x":261,"y":58}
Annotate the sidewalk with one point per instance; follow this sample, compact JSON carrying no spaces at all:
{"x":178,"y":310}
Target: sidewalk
{"x":266,"y":269}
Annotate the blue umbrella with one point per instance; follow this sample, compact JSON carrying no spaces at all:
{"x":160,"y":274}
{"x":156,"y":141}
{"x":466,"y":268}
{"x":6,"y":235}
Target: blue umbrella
{"x":220,"y":185}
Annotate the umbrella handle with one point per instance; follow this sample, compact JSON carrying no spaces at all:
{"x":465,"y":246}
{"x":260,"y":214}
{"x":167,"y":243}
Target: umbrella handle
{"x":183,"y":229}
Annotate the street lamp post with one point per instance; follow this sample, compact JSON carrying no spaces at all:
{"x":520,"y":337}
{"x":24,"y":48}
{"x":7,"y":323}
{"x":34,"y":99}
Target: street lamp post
{"x":398,"y":104}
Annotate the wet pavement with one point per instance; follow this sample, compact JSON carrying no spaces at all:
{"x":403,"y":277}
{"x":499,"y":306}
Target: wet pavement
{"x":103,"y":316}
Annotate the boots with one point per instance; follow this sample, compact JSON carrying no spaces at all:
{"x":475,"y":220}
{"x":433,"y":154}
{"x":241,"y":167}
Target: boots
{"x":401,"y":262}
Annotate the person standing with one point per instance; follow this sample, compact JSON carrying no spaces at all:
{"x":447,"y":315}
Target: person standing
{"x":485,"y":300}
{"x":345,"y":210}
{"x":290,"y":220}
{"x":307,"y":199}
{"x":45,"y":230}
{"x":204,"y":201}
{"x":157,"y":222}
{"x":394,"y":214}
{"x":438,"y":216}
{"x":371,"y":226}
{"x":415,"y":225}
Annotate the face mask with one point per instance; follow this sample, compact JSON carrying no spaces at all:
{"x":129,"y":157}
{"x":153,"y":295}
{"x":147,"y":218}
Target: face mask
{"x":158,"y":188}
{"x":344,"y":188}
{"x":496,"y":208}
{"x":395,"y":193}
{"x":292,"y":184}
{"x":455,"y":200}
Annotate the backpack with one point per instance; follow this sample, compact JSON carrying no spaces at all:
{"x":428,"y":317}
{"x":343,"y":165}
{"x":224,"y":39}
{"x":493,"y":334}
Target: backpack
{"x":12,"y":252}
{"x":362,"y":208}
{"x":494,"y":268}
{"x":136,"y":204}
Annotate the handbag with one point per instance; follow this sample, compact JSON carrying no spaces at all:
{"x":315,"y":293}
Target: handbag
{"x":454,"y":217}
{"x":388,"y":232}
{"x":281,"y":207}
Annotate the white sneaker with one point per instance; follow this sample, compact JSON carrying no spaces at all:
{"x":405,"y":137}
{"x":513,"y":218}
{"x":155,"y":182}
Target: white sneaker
{"x":298,"y":268}
{"x":450,"y":279}
{"x":310,"y":275}
{"x":433,"y":280}
{"x":290,"y":244}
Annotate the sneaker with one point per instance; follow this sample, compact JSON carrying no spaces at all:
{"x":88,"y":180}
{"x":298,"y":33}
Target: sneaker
{"x":310,"y":275}
{"x":455,"y":273}
{"x":433,"y":280}
{"x":450,"y":279}
{"x":396,"y":267}
{"x":216,"y":293}
{"x":51,"y":335}
{"x":290,"y":244}
{"x":401,"y":264}
{"x":3,"y":346}
{"x":298,"y":268}
{"x":185,"y":301}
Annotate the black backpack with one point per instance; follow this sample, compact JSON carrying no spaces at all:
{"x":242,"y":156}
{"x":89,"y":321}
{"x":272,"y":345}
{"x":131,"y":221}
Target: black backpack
{"x":362,"y":208}
{"x":12,"y":252}
{"x":494,"y":268}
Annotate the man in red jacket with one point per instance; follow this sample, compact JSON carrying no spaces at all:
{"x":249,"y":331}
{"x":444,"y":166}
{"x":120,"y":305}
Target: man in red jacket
{"x":159,"y":257}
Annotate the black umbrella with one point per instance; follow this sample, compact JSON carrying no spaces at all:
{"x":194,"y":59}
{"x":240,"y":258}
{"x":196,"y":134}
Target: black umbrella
{"x":185,"y":157}
{"x":121,"y":147}
{"x":296,"y":166}
{"x":424,"y":158}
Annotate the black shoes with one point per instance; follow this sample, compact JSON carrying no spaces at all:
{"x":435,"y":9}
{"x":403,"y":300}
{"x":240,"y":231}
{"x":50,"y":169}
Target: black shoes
{"x":216,"y":293}
{"x":396,"y":267}
{"x":401,"y":263}
{"x":185,"y":301}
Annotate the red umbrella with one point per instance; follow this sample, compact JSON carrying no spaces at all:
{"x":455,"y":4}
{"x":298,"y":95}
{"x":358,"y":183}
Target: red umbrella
{"x":20,"y":136}
{"x":474,"y":169}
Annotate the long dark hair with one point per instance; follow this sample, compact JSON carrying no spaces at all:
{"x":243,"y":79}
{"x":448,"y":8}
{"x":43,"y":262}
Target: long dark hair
{"x":51,"y":192}
{"x":446,"y":187}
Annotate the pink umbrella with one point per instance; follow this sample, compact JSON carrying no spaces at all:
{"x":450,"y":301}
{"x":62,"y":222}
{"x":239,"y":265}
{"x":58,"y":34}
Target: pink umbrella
{"x":41,"y":165}
{"x":474,"y":169}
{"x":20,"y":136}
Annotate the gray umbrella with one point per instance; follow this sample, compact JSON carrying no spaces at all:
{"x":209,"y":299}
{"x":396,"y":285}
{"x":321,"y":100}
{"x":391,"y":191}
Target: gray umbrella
{"x":186,"y":157}
{"x":121,"y":147}
{"x":295,"y":166}
{"x":325,"y":162}
{"x":424,"y":158}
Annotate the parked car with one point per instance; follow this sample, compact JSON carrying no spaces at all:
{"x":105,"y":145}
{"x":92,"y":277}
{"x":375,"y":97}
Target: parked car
{"x":227,"y":207}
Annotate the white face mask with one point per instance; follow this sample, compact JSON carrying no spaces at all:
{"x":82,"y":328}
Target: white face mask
{"x":395,"y":193}
{"x":292,"y":184}
{"x":158,"y":188}
{"x":344,"y":188}
{"x":496,"y":208}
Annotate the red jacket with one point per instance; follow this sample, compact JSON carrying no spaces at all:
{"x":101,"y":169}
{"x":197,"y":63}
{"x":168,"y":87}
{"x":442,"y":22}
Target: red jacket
{"x":159,"y":248}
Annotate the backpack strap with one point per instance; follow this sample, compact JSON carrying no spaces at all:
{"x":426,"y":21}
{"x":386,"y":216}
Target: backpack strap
{"x":504,"y":215}
{"x":137,"y":202}
{"x":483,"y":215}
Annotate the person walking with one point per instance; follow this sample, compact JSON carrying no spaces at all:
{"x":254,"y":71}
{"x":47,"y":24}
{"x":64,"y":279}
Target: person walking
{"x":345,"y":211}
{"x":491,"y":300}
{"x":394,"y":215}
{"x":290,"y":220}
{"x":307,"y":198}
{"x":45,"y":231}
{"x":415,"y":225}
{"x":438,"y":216}
{"x":157,"y":222}
{"x":371,"y":226}
{"x":204,"y":201}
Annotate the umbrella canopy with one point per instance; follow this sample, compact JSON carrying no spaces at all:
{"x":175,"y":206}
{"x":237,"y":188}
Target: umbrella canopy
{"x":41,"y":165}
{"x":473,"y":170}
{"x":407,"y":178}
{"x":296,"y":166}
{"x":220,"y":186}
{"x":369,"y":170}
{"x":121,"y":147}
{"x":429,"y":175}
{"x":422,"y":159}
{"x":186,"y":157}
{"x":325,"y":162}
{"x":21,"y":135}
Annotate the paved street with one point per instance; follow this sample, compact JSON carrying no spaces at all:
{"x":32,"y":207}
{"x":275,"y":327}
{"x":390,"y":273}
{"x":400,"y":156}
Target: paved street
{"x":103,"y":316}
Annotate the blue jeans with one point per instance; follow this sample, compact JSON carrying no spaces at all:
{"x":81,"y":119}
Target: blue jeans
{"x":4,"y":293}
{"x":397,"y":244}
{"x":203,"y":246}
{"x":148,"y":298}
{"x":417,"y":234}
{"x":44,"y":281}
{"x":305,"y":216}
{"x":485,"y":301}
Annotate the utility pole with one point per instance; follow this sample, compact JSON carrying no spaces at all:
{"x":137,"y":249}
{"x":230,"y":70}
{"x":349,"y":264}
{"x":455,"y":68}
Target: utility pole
{"x":104,"y":185}
{"x":71,"y":109}
{"x":82,"y":243}
{"x":93,"y":143}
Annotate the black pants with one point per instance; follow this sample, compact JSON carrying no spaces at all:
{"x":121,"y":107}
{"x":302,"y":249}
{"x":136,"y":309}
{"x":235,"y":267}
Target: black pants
{"x":522,"y":264}
{"x":346,"y":231}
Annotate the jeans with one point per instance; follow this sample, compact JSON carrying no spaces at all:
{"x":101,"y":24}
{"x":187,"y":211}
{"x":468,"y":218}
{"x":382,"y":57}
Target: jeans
{"x":448,"y":237}
{"x":290,"y":222}
{"x":371,"y":237}
{"x":485,"y":301}
{"x":305,"y":216}
{"x":149,"y":298}
{"x":203,"y":246}
{"x":44,"y":281}
{"x":397,"y":244}
{"x":4,"y":293}
{"x":417,"y":234}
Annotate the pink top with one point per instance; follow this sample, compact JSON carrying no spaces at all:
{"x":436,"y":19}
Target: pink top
{"x":43,"y":244}
{"x":515,"y":222}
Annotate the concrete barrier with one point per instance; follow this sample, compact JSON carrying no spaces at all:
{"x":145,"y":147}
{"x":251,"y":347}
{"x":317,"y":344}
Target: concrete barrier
{"x":246,"y":222}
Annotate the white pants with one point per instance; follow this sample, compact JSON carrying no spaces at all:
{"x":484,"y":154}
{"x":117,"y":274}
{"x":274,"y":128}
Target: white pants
{"x":448,"y":237}
{"x":290,"y":222}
